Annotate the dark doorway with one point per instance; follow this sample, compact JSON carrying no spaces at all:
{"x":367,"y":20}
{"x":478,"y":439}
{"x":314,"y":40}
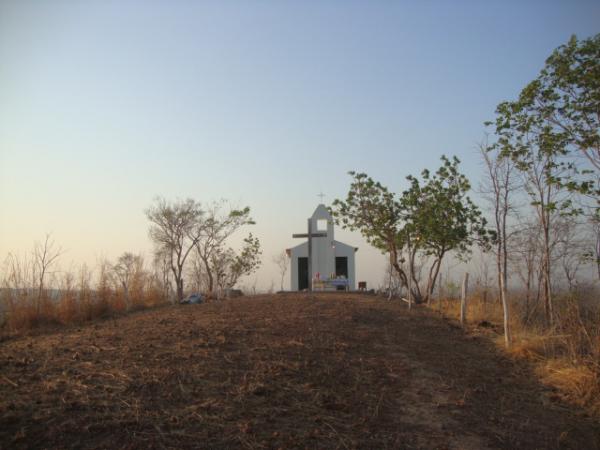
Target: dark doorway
{"x":302,"y":273}
{"x":341,"y":268}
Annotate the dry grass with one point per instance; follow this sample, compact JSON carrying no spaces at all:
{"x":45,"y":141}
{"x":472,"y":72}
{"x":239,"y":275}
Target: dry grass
{"x":30,"y":301}
{"x":25,"y":311}
{"x":566,"y":355}
{"x":577,"y":384}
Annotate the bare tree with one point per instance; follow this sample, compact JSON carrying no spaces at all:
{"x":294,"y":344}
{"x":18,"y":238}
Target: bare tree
{"x":44,"y":255}
{"x":525,"y":255}
{"x":499,"y":186}
{"x":483,"y":275}
{"x":196,"y":272}
{"x":282,"y":260}
{"x":173,"y":227}
{"x":539,"y":174}
{"x":127,"y":267}
{"x":571,"y":244}
{"x":161,"y":271}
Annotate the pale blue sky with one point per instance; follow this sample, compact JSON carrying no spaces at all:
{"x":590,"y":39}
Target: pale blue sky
{"x":106,"y":104}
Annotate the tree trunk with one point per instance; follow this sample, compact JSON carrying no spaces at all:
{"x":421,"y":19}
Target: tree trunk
{"x":547,"y":281}
{"x":463,"y":299}
{"x":40,"y":292}
{"x":404,"y":278}
{"x":209,"y":274}
{"x":548,"y":294}
{"x":433,"y":274}
{"x":396,"y":266}
{"x":390,"y":283}
{"x":506,"y":310}
{"x":528,"y":292}
{"x":544,"y":216}
{"x":177,"y":274}
{"x":180,"y":289}
{"x":502,"y":261}
{"x":417,"y":297}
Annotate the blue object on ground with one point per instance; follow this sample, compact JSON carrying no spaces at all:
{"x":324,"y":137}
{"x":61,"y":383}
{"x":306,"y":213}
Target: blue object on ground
{"x":193,"y":299}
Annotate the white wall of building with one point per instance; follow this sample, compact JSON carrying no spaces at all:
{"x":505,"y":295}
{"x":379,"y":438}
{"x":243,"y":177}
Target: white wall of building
{"x":324,"y":251}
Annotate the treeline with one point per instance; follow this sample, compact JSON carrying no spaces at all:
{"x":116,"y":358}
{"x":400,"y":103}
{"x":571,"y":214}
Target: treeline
{"x":540,"y":222}
{"x":541,"y":184}
{"x":191,"y":254}
{"x":35,"y":292}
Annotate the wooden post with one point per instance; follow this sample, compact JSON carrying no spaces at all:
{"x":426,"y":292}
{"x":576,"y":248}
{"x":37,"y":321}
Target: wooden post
{"x":410,"y":273}
{"x":463,"y":299}
{"x":310,"y":275}
{"x":390,"y":283}
{"x":441,"y":292}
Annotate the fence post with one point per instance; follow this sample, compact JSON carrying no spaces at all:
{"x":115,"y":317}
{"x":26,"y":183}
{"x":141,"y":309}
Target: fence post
{"x":463,"y":299}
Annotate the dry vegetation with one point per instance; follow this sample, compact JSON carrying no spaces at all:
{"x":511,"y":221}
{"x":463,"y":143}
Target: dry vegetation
{"x":278,"y":371}
{"x":22,"y":311}
{"x":566,"y":356}
{"x":30,"y":301}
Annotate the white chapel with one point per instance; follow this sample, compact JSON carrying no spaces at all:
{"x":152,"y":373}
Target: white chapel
{"x":332,"y":262}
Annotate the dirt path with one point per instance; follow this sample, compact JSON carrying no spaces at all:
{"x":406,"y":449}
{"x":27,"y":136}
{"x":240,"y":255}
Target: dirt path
{"x":276,"y":372}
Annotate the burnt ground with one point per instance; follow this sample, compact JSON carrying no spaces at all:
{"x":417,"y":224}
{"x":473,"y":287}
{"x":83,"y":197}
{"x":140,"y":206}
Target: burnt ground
{"x":280,"y":371}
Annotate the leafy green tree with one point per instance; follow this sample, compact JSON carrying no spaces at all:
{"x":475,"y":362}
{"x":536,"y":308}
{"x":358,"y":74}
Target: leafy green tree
{"x":567,"y":95}
{"x":243,"y":264}
{"x":374,"y":211}
{"x":540,"y":160}
{"x":433,"y":217}
{"x":441,"y":218}
{"x":211,"y":234}
{"x":551,"y":133}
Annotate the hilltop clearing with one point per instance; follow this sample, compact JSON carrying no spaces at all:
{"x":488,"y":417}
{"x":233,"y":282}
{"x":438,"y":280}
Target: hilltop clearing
{"x":279,"y":371}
